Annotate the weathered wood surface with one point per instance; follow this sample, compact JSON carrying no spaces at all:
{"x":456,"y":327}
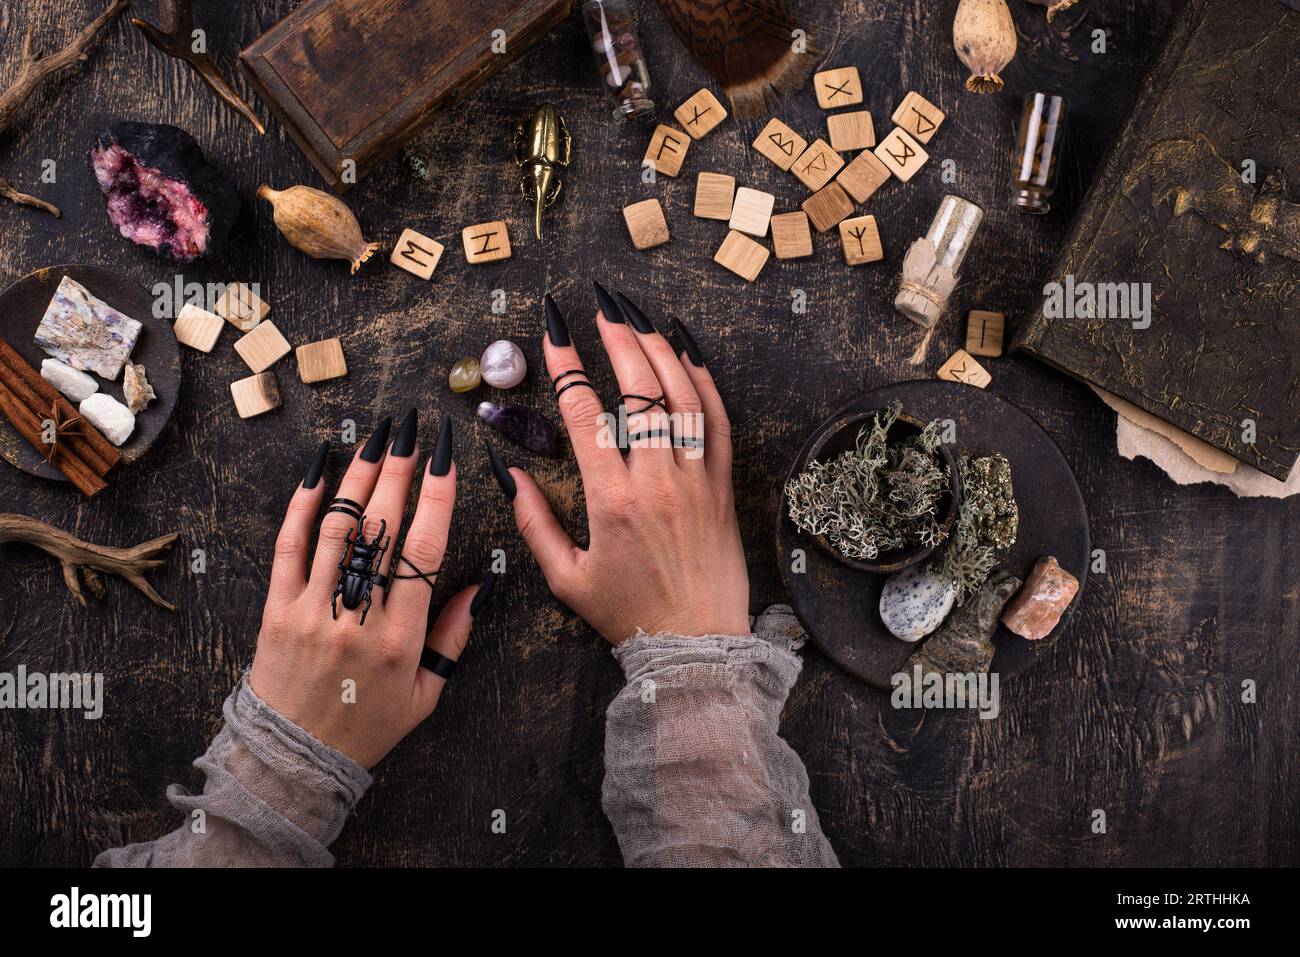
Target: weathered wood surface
{"x":1137,"y":711}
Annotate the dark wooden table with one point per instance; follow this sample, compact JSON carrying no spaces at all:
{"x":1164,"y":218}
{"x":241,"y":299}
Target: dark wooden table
{"x":1137,"y":711}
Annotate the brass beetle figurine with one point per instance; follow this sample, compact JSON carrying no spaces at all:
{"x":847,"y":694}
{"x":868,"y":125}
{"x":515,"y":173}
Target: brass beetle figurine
{"x":542,"y":149}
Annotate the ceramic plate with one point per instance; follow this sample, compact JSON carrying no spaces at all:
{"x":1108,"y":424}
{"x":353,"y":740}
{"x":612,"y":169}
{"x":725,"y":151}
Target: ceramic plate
{"x":839,"y":605}
{"x":21,"y":307}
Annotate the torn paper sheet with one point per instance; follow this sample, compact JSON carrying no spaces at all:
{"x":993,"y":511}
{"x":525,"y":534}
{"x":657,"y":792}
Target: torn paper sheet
{"x":1134,"y":440}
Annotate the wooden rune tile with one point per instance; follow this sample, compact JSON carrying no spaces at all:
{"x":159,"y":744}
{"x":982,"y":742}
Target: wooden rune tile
{"x":780,"y":144}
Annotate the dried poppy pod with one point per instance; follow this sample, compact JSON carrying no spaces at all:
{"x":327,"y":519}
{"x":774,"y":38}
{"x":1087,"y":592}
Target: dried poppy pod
{"x":984,"y":37}
{"x":317,"y":223}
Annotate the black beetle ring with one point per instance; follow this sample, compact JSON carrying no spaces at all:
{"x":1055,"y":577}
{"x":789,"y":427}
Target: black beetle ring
{"x":359,"y":566}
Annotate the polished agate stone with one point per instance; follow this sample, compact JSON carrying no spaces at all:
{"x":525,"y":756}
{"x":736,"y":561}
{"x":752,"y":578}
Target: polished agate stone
{"x":465,"y":375}
{"x":530,"y":429}
{"x":503,"y":365}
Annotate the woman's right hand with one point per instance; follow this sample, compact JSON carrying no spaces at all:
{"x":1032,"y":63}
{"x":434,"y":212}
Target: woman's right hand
{"x":665,"y":552}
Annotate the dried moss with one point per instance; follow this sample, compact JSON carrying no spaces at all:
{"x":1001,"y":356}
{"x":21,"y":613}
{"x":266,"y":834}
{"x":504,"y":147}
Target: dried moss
{"x":877,"y":498}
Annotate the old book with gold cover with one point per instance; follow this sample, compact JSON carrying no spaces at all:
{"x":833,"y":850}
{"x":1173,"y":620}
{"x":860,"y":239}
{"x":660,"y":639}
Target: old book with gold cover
{"x":1179,"y":285}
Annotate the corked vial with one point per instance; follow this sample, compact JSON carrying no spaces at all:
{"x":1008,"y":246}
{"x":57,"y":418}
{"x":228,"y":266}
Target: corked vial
{"x":931,"y":266}
{"x":1038,"y":151}
{"x":612,"y":28}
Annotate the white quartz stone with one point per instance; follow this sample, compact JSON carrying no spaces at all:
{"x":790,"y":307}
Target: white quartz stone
{"x":109,"y":416}
{"x":502,"y":365}
{"x":915,"y":602}
{"x":75,"y":385}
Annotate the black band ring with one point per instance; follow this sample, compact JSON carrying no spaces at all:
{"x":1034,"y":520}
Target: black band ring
{"x":688,"y":441}
{"x":650,"y":434}
{"x":347,"y":501}
{"x":346,"y":510}
{"x":439,"y":664}
{"x":569,"y":385}
{"x":557,"y":379}
{"x":650,"y":403}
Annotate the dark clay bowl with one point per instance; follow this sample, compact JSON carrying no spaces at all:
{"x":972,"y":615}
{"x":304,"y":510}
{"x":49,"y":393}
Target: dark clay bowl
{"x":840,"y":435}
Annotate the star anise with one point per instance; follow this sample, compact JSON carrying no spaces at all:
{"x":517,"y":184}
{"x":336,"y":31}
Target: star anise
{"x":67,"y":423}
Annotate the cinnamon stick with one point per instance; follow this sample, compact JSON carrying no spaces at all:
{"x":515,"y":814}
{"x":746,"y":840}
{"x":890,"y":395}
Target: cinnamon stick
{"x":91,"y":445}
{"x":29,"y":427}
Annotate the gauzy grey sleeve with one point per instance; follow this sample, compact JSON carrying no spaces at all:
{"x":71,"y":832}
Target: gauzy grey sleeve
{"x":695,"y":771}
{"x":274,"y":797}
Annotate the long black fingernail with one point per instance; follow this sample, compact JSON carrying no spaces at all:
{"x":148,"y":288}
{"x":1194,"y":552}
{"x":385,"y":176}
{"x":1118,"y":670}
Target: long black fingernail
{"x":483,"y":595}
{"x":375,"y":445}
{"x":440,"y":461}
{"x":404,"y":444}
{"x":688,"y":343}
{"x":635,"y":316}
{"x":556,"y":328}
{"x":317,"y":467}
{"x":607,"y":304}
{"x":504,"y":478}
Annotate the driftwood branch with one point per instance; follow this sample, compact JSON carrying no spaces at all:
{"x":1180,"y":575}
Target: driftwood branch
{"x":175,"y":37}
{"x":33,"y":69}
{"x":82,"y":561}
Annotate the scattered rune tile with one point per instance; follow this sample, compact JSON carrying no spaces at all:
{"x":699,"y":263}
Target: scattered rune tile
{"x":741,"y":255}
{"x":318,"y":361}
{"x":791,"y":236}
{"x":863,"y":176}
{"x":902,"y":154}
{"x":963,"y":368}
{"x":646,"y":224}
{"x":417,"y":254}
{"x":241,"y":306}
{"x":818,"y":165}
{"x":861,"y":240}
{"x":486,"y":242}
{"x":197,"y":328}
{"x":263,"y":347}
{"x":836,"y":88}
{"x":984,"y":332}
{"x":701,"y":114}
{"x":255,"y":395}
{"x":918,"y":116}
{"x":827,"y":206}
{"x":714,"y":195}
{"x":667,"y":150}
{"x":851,"y":131}
{"x":752,"y":211}
{"x":780,"y":144}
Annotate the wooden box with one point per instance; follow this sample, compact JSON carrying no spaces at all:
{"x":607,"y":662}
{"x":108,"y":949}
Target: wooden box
{"x":357,"y":79}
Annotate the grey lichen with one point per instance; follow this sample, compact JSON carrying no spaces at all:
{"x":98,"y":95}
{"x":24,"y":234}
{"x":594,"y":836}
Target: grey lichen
{"x":876,"y":498}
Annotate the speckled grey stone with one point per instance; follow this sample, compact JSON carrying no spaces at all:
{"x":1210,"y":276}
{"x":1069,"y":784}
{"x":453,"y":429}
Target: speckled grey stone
{"x":915,"y":603}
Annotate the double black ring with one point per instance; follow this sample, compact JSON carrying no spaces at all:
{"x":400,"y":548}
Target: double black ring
{"x":561,"y":389}
{"x":649,"y":403}
{"x":347,"y":507}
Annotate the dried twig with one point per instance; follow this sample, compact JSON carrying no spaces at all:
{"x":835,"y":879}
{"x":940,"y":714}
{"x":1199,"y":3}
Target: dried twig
{"x":82,"y":561}
{"x":176,"y":38}
{"x":32,"y":70}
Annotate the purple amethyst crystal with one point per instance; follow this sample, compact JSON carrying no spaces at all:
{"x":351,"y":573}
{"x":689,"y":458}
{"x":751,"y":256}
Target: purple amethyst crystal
{"x":530,"y":429}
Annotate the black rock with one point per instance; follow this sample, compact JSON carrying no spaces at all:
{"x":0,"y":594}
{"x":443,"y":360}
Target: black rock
{"x":161,"y":191}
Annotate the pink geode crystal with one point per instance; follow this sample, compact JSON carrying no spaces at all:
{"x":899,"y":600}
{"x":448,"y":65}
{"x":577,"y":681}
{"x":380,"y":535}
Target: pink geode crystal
{"x":1038,"y":606}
